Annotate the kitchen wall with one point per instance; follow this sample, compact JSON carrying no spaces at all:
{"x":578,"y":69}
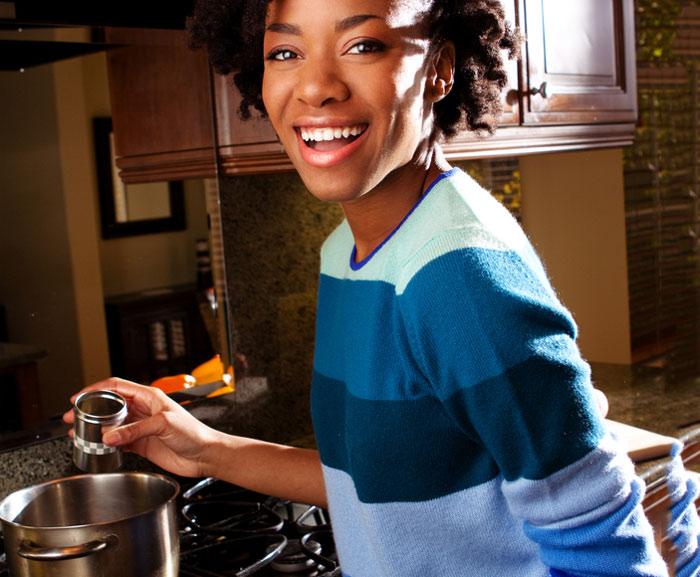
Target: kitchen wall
{"x":54,"y":267}
{"x":37,"y":285}
{"x":573,"y":209}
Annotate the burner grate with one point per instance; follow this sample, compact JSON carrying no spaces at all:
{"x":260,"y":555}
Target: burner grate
{"x":227,"y":531}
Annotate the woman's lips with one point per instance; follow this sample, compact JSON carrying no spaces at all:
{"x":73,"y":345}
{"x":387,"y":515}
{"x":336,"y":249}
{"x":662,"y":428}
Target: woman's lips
{"x":326,"y":153}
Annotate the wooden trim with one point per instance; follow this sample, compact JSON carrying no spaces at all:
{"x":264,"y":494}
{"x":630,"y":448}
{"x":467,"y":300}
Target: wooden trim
{"x":534,"y":140}
{"x":175,"y":165}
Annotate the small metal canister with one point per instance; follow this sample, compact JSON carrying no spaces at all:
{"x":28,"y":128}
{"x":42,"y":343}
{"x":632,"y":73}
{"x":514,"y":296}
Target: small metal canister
{"x":95,"y":413}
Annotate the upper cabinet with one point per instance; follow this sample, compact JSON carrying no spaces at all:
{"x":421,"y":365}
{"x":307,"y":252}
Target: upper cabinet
{"x":161,"y":106}
{"x":573,"y":88}
{"x":579,"y":65}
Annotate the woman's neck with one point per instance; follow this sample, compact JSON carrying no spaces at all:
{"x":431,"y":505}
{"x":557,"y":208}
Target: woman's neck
{"x":374,"y":216}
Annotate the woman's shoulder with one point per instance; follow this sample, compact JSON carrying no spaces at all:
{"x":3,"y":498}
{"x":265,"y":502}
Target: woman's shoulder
{"x":459,"y":217}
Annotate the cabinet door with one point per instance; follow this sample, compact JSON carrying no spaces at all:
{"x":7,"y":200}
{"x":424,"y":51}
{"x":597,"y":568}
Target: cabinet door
{"x":582,"y":53}
{"x":161,"y":106}
{"x":244,"y":146}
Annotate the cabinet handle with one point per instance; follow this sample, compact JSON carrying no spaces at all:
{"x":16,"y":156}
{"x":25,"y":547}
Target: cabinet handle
{"x":542,"y":90}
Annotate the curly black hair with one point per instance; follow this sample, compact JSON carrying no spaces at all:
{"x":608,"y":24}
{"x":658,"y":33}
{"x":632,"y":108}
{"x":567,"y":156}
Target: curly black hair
{"x":232,"y":31}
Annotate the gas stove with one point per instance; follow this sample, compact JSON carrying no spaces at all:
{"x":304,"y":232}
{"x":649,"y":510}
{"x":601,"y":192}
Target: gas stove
{"x":226,"y":531}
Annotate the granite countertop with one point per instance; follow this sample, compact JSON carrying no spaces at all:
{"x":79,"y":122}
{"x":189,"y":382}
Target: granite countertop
{"x":644,"y":398}
{"x":637,"y":396}
{"x":13,"y":354}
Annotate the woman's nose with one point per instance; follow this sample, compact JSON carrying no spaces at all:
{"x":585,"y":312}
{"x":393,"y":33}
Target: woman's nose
{"x":320,"y":83}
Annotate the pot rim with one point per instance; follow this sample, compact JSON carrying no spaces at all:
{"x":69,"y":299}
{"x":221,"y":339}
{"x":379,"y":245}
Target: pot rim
{"x":169,"y":480}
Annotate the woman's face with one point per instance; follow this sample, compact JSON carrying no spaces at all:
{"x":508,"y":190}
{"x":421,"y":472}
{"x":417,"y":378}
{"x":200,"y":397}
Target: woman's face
{"x":345,"y":89}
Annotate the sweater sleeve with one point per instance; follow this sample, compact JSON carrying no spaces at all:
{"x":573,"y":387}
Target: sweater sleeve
{"x":497,"y":348}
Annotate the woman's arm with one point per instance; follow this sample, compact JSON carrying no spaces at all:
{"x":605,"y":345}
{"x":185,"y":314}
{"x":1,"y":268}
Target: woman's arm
{"x":166,"y":434}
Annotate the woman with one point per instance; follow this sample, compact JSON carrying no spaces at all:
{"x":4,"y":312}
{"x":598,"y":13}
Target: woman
{"x":448,"y":391}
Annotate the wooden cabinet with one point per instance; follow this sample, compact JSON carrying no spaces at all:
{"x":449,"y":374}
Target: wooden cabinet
{"x":161,"y":106}
{"x":573,"y":88}
{"x":244,"y":147}
{"x":575,"y":85}
{"x":579,"y":65}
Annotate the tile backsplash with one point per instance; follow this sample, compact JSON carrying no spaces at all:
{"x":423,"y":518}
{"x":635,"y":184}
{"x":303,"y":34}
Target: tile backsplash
{"x":273,"y":233}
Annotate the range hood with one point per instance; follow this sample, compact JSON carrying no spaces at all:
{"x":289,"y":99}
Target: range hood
{"x":22,"y":14}
{"x":123,"y":13}
{"x":20,"y":54}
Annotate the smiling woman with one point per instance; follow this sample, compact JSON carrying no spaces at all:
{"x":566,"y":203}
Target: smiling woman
{"x":447,"y":385}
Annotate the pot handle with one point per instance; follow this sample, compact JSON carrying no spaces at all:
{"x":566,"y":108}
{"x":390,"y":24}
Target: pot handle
{"x":34,"y":552}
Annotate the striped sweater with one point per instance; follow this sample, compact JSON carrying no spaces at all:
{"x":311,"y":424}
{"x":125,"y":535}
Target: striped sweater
{"x":453,"y":412}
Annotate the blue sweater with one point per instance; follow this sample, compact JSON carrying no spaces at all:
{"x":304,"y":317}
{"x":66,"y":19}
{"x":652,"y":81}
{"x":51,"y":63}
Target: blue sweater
{"x":453,"y":412}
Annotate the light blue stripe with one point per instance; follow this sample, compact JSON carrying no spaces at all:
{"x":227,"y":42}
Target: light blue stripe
{"x":619,"y":545}
{"x":458,"y":205}
{"x":558,"y":502}
{"x":432,"y":538}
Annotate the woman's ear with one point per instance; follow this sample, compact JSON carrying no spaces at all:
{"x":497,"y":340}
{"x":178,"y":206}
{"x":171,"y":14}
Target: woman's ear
{"x":441,"y":73}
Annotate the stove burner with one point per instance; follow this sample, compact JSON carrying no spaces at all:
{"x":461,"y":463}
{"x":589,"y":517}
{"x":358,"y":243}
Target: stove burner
{"x":228,"y":531}
{"x":294,"y":559}
{"x":318,"y":542}
{"x":213,"y":489}
{"x":232,"y":557}
{"x":231,"y":517}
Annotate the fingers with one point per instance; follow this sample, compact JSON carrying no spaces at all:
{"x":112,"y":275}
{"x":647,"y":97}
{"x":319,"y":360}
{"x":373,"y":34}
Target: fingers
{"x":143,"y":401}
{"x":129,"y":434}
{"x":125,"y":388}
{"x":601,"y":401}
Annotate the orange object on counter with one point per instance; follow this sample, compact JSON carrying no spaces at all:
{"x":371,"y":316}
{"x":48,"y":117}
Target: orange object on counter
{"x":175,"y":383}
{"x":209,"y":371}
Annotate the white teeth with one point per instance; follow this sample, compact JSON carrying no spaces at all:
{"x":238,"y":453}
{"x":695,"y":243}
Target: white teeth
{"x":319,"y":134}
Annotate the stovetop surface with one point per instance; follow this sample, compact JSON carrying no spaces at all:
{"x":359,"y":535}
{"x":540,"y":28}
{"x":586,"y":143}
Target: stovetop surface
{"x":226,"y":531}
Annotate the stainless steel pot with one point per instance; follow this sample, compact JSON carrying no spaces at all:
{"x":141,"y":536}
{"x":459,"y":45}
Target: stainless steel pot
{"x":107,"y":525}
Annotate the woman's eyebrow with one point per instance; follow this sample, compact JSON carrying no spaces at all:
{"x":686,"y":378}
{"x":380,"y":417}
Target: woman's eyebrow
{"x":352,"y":21}
{"x":283,"y":28}
{"x":341,"y":25}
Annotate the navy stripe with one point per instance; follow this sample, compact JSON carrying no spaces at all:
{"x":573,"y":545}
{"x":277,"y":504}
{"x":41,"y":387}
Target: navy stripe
{"x":535,"y":419}
{"x":395,"y":450}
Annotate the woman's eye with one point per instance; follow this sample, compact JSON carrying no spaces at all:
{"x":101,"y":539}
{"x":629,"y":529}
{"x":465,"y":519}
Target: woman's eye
{"x":366,"y":47}
{"x":282,"y":55}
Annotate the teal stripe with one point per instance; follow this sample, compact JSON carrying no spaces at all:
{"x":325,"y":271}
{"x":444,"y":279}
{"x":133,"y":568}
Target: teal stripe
{"x":395,"y":450}
{"x":535,"y":419}
{"x":369,"y":354}
{"x":489,"y":312}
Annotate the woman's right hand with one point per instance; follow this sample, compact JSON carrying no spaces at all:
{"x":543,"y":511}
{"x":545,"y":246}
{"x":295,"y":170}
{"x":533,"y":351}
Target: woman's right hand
{"x":158,"y":429}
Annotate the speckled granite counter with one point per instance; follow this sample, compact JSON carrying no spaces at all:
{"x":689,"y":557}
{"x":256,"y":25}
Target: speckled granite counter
{"x":252,"y":411}
{"x":639,"y":397}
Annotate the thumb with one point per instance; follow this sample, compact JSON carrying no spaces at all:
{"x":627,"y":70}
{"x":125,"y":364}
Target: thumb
{"x":132,"y":432}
